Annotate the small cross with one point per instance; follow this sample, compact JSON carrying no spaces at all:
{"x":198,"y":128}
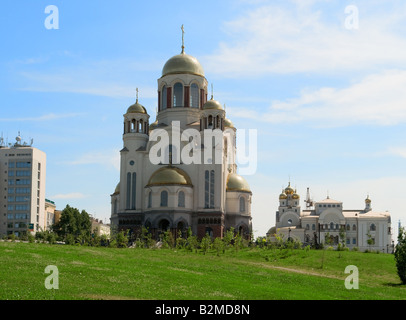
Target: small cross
{"x":183,"y":39}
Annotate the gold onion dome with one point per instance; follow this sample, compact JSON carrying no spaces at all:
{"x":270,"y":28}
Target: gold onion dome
{"x":169,"y":176}
{"x":283,"y":196}
{"x":367,"y":200}
{"x":212,"y":104}
{"x":117,"y":190}
{"x":237,"y":183}
{"x":228,"y":123}
{"x":295,"y":196}
{"x":289,"y":190}
{"x":137,"y":108}
{"x":183,"y":63}
{"x":153,"y":125}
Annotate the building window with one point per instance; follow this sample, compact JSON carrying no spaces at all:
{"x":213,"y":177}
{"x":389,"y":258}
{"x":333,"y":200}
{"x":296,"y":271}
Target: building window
{"x":209,"y":189}
{"x":331,"y":225}
{"x":348,"y":227}
{"x":134,"y":188}
{"x":164,"y":199}
{"x":194,"y":96}
{"x":354,"y":241}
{"x":177,"y":94}
{"x":150,"y":199}
{"x":307,"y":226}
{"x":128,"y":199}
{"x":242,"y":204}
{"x":372,"y":227}
{"x":354,"y":227}
{"x":164,"y":98}
{"x":313,"y":226}
{"x":181,"y":199}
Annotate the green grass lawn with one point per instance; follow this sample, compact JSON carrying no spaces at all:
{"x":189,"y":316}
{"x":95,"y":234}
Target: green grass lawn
{"x":249,"y":274}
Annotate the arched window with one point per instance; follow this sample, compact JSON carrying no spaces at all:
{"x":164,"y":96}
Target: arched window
{"x":115,"y":206}
{"x":181,"y":199}
{"x":134,"y":188}
{"x":128,"y":198}
{"x":354,"y":227}
{"x":331,"y":225}
{"x":209,"y":189}
{"x":242,"y":204}
{"x":150,"y":199}
{"x":373,"y":227}
{"x":313,"y":226}
{"x":307,"y":226}
{"x":164,"y":198}
{"x":209,"y":231}
{"x":177,"y":94}
{"x":348,"y":227}
{"x":194,"y":96}
{"x":164,"y":98}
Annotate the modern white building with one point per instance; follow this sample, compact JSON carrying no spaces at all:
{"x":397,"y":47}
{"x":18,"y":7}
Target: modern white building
{"x":174,"y":194}
{"x":22,"y":188}
{"x":328,"y":222}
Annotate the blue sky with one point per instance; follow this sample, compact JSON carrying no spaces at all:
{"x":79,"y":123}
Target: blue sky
{"x":328,"y":101}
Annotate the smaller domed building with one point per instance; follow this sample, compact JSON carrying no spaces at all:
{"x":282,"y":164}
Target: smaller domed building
{"x":327,"y":222}
{"x":208,"y":197}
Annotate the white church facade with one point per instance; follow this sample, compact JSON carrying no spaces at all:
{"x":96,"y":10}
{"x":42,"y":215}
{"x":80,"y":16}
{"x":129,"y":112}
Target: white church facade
{"x":327,"y":222}
{"x":207,"y":196}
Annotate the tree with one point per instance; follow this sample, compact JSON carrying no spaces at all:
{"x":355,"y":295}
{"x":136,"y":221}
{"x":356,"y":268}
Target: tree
{"x":73,"y":224}
{"x":400,"y":255}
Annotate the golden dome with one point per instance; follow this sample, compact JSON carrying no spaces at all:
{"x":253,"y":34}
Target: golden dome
{"x":169,"y":176}
{"x":295,"y":196}
{"x":237,"y":183}
{"x":117,"y":189}
{"x":153,"y":125}
{"x":137,"y":108}
{"x":228,"y":123}
{"x":367,"y":200}
{"x":183,"y":63}
{"x":289,"y":190}
{"x":212,"y":104}
{"x":283,"y":196}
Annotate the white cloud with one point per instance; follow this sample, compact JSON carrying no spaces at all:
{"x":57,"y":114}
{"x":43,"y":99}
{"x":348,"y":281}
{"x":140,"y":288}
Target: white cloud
{"x":108,"y":158}
{"x":277,"y":39}
{"x":74,"y":195}
{"x":45,"y":117}
{"x":398,"y":151}
{"x":377,"y":99}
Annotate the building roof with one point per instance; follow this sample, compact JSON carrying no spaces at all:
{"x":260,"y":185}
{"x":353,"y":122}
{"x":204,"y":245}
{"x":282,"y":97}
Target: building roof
{"x":237,"y":183}
{"x":183,"y":63}
{"x":169,"y":176}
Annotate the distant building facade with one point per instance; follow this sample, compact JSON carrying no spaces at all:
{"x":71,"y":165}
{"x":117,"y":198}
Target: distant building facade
{"x":22,"y":188}
{"x":361,"y":228}
{"x":100,"y":228}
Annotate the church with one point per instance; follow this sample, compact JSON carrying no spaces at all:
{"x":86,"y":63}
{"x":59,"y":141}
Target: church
{"x":327,"y":222}
{"x":159,"y":187}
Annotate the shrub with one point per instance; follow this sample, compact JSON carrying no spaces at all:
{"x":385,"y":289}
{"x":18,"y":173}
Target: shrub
{"x":400,"y":255}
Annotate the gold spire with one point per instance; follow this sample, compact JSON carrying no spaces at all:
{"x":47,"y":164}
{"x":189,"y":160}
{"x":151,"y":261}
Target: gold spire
{"x":183,"y":39}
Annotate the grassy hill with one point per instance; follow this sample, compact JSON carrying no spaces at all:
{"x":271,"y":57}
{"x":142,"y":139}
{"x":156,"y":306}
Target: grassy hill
{"x":249,"y":274}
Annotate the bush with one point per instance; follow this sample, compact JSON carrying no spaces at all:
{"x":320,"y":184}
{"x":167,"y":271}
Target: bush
{"x":400,"y":255}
